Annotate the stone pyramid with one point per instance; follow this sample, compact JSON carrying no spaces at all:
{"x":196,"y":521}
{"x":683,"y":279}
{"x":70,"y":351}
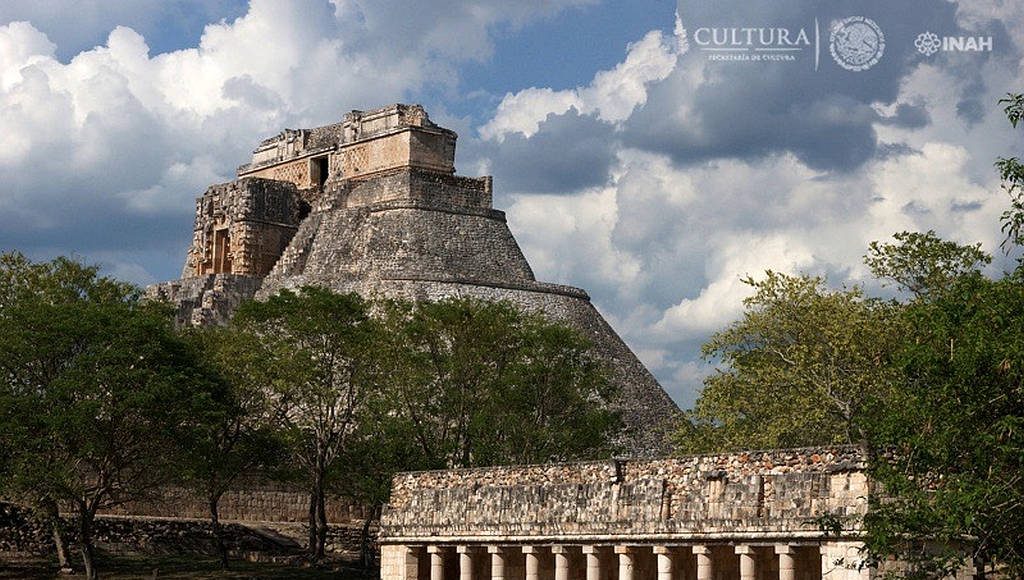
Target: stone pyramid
{"x":372,"y":205}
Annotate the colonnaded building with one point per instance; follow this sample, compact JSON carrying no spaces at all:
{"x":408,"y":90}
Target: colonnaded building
{"x":787,"y":514}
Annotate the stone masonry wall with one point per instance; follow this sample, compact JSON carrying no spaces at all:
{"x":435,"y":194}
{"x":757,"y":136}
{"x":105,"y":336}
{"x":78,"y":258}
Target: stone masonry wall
{"x":251,"y":500}
{"x":759,"y":493}
{"x":340,"y":246}
{"x":203,"y":300}
{"x":433,"y":189}
{"x":296,"y":172}
{"x":259,"y":215}
{"x":20,"y":533}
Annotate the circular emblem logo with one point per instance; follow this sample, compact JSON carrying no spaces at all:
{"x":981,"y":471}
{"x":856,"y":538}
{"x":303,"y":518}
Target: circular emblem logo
{"x":856,"y":43}
{"x":927,"y":43}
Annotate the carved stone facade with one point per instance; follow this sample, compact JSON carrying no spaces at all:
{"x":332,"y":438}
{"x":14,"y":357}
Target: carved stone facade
{"x":372,"y":205}
{"x":242,"y":227}
{"x":752,"y":516}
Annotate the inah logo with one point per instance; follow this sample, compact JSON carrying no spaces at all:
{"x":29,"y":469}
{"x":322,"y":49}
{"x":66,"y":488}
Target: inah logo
{"x":856,"y":43}
{"x":927,"y":43}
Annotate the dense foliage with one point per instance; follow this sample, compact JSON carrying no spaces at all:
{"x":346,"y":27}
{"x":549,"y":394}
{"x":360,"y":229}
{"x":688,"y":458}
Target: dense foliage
{"x":931,"y":382}
{"x":102,"y":401}
{"x":96,"y":388}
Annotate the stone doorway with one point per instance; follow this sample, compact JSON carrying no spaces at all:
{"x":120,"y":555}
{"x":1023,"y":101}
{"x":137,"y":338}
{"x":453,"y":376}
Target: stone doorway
{"x":221,"y":251}
{"x":318,"y":171}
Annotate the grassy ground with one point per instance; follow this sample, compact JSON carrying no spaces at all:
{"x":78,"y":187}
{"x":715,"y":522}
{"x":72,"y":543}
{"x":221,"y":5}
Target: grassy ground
{"x":124,"y":567}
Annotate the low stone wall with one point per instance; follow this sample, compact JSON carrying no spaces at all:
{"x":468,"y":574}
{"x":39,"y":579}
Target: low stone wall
{"x":252,"y":501}
{"x":20,"y":533}
{"x":763,"y":494}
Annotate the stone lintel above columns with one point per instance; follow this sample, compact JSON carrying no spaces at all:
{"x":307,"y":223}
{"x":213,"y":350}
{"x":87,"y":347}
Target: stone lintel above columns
{"x":467,"y":549}
{"x":625,"y":549}
{"x":561,"y":549}
{"x":496,"y":549}
{"x":435,"y":549}
{"x":744,"y":549}
{"x":532,"y":549}
{"x":784,"y":549}
{"x":593,"y":549}
{"x":700,"y":549}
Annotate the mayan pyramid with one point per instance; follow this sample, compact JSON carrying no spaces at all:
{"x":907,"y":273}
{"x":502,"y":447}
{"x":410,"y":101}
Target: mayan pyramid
{"x":372,"y":205}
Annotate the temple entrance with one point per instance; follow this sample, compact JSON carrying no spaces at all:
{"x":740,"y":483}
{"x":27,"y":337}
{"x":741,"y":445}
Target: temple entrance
{"x":221,"y":251}
{"x":318,"y":171}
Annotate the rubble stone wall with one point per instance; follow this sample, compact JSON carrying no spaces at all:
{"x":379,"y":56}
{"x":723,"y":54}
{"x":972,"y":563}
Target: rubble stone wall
{"x":761,"y":493}
{"x":203,"y":300}
{"x":250,"y":500}
{"x":20,"y":533}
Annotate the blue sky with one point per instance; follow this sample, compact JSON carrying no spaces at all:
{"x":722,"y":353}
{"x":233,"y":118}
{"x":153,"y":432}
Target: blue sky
{"x":629,"y":161}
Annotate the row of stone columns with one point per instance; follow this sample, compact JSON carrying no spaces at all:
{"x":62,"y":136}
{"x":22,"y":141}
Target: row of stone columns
{"x":664,"y":554}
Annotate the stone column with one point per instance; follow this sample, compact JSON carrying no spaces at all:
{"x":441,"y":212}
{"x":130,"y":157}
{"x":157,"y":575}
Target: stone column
{"x":705,"y":564}
{"x":436,"y":562}
{"x":593,"y":554}
{"x":665,"y":562}
{"x":625,"y":562}
{"x":532,"y":562}
{"x":787,"y":562}
{"x":748,"y":563}
{"x":561,"y":562}
{"x":497,"y":562}
{"x":465,"y":562}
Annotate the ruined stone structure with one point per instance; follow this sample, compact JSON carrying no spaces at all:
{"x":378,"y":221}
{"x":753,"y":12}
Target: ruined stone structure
{"x":751,"y":516}
{"x":372,"y":205}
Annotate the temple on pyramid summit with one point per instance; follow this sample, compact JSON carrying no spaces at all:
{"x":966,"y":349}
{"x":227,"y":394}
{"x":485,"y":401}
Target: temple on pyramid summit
{"x":372,"y":205}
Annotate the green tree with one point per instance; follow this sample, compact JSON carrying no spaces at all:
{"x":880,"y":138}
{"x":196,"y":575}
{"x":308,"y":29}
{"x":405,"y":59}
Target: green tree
{"x":1011,"y":171}
{"x":951,"y":447}
{"x":472,"y":383}
{"x":924,"y":264}
{"x":241,"y":435}
{"x":803,"y":366}
{"x":97,"y":387}
{"x":321,"y":345}
{"x":480,"y":383}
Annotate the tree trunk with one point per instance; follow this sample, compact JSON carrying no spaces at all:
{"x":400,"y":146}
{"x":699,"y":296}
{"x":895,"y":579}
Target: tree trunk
{"x":321,"y":546}
{"x":318,"y":517}
{"x":85,"y":521}
{"x":218,"y":533}
{"x":59,"y":541}
{"x":366,"y":545}
{"x":311,"y":544}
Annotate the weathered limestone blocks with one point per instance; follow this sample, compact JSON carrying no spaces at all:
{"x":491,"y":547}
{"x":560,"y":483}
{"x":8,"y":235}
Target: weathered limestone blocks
{"x":251,"y":499}
{"x":242,"y":227}
{"x":750,"y":515}
{"x":766,"y":493}
{"x":209,"y":299}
